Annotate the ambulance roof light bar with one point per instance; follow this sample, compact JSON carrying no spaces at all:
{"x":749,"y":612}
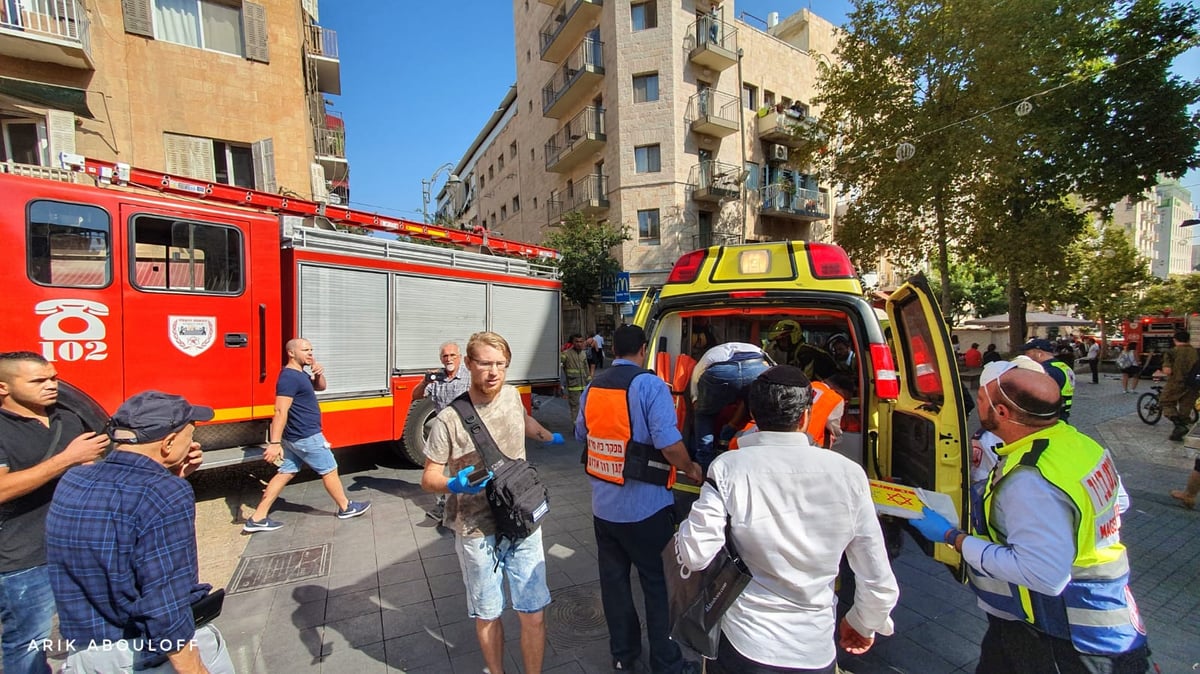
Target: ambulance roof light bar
{"x":123,"y":174}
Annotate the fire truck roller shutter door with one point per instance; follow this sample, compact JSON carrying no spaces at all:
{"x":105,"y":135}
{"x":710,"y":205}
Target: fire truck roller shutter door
{"x":340,"y":315}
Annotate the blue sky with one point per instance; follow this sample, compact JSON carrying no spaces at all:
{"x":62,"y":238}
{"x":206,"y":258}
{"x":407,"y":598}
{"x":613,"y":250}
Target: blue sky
{"x":419,"y":79}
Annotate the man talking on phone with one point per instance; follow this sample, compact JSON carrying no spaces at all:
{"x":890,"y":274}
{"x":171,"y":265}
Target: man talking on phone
{"x":121,"y":548}
{"x":296,"y":438}
{"x":442,"y":387}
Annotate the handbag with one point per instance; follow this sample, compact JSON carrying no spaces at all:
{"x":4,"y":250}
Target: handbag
{"x":516,"y":495}
{"x":697,"y":598}
{"x":208,"y":607}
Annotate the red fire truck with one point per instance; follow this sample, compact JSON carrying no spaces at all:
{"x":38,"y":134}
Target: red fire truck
{"x":129,"y":279}
{"x":1152,"y":334}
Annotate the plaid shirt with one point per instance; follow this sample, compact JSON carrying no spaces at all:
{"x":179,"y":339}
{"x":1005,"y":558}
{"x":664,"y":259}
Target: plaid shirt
{"x":121,"y":551}
{"x":444,"y":392}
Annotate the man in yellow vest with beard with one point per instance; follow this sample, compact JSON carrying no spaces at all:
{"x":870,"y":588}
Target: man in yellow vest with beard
{"x":1045,"y":556}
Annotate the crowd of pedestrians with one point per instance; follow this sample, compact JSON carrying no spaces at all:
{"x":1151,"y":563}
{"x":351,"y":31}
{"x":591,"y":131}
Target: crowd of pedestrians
{"x":111,"y":543}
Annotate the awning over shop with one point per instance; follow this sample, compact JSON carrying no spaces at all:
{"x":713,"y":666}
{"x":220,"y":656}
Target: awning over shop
{"x":52,"y":96}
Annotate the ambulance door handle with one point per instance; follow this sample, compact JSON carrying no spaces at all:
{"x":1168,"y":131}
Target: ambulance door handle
{"x":236,"y":339}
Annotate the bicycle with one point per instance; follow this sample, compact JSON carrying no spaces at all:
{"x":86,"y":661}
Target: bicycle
{"x":1150,"y":410}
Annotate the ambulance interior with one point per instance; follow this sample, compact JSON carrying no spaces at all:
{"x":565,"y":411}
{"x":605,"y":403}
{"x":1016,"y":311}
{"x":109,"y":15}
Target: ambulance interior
{"x":800,"y":337}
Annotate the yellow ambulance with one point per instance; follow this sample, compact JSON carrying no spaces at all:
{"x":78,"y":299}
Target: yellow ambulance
{"x":905,"y":421}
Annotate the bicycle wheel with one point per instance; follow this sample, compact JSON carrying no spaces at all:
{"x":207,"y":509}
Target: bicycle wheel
{"x":1148,"y":409}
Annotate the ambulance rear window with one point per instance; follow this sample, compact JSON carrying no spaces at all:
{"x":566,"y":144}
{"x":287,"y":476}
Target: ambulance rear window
{"x":69,"y":245}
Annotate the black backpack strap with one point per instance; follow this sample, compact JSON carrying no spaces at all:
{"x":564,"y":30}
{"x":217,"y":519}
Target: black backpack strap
{"x":492,"y":457}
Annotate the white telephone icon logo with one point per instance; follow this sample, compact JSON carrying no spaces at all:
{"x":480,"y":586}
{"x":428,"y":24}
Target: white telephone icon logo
{"x":86,"y":343}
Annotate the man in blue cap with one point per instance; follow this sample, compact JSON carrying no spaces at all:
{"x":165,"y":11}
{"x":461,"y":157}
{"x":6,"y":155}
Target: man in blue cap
{"x":1042,"y":351}
{"x":121,"y":548}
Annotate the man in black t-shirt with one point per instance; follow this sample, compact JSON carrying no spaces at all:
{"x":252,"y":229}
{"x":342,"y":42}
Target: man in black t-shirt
{"x":39,"y":441}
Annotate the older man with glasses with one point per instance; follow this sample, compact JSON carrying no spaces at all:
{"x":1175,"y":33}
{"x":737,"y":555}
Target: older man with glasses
{"x":442,"y":387}
{"x":1045,"y":556}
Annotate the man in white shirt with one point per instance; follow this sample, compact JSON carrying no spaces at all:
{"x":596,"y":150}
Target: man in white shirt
{"x":794,"y":510}
{"x":1045,"y":557}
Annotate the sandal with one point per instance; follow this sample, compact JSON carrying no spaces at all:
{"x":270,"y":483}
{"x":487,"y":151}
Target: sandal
{"x":1186,"y":501}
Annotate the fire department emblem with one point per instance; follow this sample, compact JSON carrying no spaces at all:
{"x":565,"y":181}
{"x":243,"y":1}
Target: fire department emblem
{"x":192,"y":334}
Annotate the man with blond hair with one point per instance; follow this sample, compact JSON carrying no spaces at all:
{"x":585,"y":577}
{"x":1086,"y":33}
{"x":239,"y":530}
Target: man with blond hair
{"x":296,"y":438}
{"x":488,"y":566}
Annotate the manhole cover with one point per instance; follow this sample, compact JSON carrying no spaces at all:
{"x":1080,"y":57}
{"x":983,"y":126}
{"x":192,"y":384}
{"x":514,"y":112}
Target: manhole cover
{"x":576,"y":617}
{"x":279,"y":568}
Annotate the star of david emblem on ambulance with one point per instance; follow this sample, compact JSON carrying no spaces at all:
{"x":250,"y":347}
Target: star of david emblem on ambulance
{"x":192,"y":334}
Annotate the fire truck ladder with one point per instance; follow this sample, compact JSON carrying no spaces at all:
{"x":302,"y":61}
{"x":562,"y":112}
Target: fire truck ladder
{"x":115,"y":173}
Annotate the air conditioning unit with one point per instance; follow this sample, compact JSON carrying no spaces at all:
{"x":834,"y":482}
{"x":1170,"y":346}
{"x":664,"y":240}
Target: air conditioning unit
{"x":320,"y":189}
{"x":778,"y":152}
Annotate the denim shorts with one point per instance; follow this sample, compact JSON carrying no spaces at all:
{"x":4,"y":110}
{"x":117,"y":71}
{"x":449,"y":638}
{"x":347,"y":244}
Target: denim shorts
{"x":523,"y":565}
{"x":312,"y":451}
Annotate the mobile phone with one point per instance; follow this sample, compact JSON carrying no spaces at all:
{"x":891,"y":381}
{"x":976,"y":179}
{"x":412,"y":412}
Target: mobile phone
{"x":478,"y":475}
{"x":436,"y":376}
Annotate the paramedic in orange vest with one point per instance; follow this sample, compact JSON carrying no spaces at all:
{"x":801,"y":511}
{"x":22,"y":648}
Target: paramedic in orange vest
{"x":828,"y":406}
{"x":633,"y":449}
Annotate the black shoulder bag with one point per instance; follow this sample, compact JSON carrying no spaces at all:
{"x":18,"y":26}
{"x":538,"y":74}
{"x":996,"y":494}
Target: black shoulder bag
{"x":518,"y":499}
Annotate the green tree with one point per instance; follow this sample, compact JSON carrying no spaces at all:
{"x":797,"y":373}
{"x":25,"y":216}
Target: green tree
{"x":586,"y":249}
{"x":1106,"y":288}
{"x":1179,"y":294}
{"x":962,"y":127}
{"x":974,"y":292}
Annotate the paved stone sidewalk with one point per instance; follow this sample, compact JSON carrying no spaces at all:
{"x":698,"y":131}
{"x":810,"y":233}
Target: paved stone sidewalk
{"x":388,"y":596}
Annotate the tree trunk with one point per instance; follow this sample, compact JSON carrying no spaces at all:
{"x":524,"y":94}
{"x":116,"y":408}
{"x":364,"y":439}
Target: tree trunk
{"x":1016,"y":311}
{"x":939,"y":213}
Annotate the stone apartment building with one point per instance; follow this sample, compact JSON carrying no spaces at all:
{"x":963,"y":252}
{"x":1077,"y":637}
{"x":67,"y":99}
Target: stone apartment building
{"x":1153,"y":227}
{"x":225,"y":90}
{"x":672,"y":119}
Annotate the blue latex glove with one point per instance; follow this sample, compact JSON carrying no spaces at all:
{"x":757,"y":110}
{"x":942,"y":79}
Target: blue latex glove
{"x":459,"y":485}
{"x":556,"y":439}
{"x":932,"y":526}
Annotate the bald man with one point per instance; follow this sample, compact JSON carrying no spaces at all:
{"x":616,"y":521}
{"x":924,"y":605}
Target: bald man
{"x":1045,"y":556}
{"x":296,"y":439}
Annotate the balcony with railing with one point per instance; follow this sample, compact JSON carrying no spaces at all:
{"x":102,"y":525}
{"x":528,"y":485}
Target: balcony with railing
{"x":574,"y":80}
{"x":330,"y":144}
{"x":715,"y":181}
{"x":46,"y":31}
{"x":713,"y":113}
{"x":712,"y":43}
{"x":785,"y":126}
{"x":589,"y":197}
{"x":567,"y":25}
{"x":783,"y":200}
{"x":322,"y":49}
{"x":579,"y":139}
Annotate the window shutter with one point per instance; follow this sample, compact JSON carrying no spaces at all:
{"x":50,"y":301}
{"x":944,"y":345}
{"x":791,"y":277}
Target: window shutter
{"x":319,"y":190}
{"x":189,"y":156}
{"x":254,"y":23}
{"x":139,"y":17}
{"x":263,"y":153}
{"x":310,"y":6}
{"x":175,"y":151}
{"x":61,"y":127}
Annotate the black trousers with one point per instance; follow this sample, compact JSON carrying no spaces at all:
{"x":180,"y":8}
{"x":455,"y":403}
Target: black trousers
{"x":1094,"y":364}
{"x":620,"y":545}
{"x":1013,"y":647}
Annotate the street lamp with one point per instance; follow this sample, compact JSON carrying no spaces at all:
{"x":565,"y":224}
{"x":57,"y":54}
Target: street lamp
{"x":427,"y":187}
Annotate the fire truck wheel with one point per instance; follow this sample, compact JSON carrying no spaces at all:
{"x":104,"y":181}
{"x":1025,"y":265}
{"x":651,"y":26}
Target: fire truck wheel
{"x":416,"y":429}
